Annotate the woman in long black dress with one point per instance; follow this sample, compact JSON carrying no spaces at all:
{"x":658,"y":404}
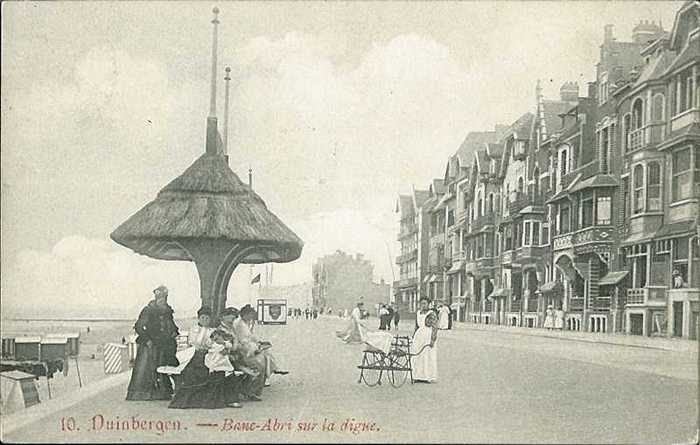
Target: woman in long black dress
{"x":156,"y":347}
{"x":200,"y":388}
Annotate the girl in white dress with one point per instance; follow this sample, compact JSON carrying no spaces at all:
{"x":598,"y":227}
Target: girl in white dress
{"x":425,"y":363}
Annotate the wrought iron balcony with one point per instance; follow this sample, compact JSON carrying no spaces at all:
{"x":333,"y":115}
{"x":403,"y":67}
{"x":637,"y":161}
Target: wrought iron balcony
{"x":483,"y":221}
{"x":576,"y":304}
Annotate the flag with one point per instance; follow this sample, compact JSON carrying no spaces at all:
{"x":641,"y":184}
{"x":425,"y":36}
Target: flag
{"x":256,"y":279}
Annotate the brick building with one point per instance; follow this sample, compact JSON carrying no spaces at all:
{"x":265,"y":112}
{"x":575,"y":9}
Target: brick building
{"x":589,"y":203}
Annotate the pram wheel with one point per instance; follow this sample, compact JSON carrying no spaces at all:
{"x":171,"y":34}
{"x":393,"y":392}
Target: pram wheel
{"x":372,"y":368}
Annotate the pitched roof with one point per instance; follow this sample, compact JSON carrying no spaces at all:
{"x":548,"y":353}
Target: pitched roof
{"x":655,"y":68}
{"x":404,"y":204}
{"x":691,"y":52}
{"x":552,"y":109}
{"x":473,"y":142}
{"x":421,"y":196}
{"x":522,"y":127}
{"x":438,"y":186}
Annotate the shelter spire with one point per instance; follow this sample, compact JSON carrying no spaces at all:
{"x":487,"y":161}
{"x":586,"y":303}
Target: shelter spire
{"x":227,"y":78}
{"x":214,"y":50}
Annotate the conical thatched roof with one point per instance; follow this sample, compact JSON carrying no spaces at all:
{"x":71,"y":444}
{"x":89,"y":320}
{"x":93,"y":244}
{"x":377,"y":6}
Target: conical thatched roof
{"x":208,"y":202}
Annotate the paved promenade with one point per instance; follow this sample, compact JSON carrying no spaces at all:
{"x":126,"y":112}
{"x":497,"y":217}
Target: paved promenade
{"x":497,"y":385}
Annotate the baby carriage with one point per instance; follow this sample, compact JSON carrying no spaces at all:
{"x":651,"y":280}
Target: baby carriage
{"x":388,"y":358}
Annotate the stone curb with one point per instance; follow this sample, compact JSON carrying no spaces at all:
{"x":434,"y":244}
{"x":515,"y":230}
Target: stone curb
{"x":18,"y":419}
{"x":682,"y":346}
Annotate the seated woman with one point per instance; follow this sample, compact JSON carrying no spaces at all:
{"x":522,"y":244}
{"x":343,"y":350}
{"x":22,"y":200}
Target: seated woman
{"x":256,"y":353}
{"x":357,"y":332}
{"x":199,"y":387}
{"x":251,"y":384}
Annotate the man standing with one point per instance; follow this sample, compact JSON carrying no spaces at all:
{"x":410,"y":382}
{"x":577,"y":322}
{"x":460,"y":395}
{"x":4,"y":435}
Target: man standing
{"x":397,"y":316}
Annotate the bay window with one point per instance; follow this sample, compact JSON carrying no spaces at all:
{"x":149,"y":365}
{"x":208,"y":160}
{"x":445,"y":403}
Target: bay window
{"x":586,"y":209}
{"x":564,"y":218}
{"x":653,"y":186}
{"x":526,"y":233}
{"x":604,"y":207}
{"x":638,"y":193}
{"x":682,"y":179}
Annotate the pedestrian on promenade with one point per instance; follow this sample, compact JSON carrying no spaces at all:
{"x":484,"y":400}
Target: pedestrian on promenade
{"x":389,"y":316}
{"x":156,"y":331}
{"x":383,"y":313}
{"x":444,"y":316}
{"x":425,"y":368}
{"x":549,"y":318}
{"x":397,"y":316}
{"x":559,"y":319}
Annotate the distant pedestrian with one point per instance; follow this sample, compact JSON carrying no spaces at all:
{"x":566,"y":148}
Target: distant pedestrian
{"x":559,"y":319}
{"x":397,"y":316}
{"x":443,"y":317}
{"x":549,"y":318}
{"x":315,"y":313}
{"x":390,"y":316}
{"x":383,"y":313}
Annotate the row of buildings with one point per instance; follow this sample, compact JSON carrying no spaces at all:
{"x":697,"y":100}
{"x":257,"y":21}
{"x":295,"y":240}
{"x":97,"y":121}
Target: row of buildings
{"x":588,"y":203}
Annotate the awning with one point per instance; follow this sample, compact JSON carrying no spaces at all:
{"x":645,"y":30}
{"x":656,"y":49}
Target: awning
{"x":500,"y":292}
{"x":433,"y":278}
{"x":426,"y":278}
{"x":675,"y":230}
{"x":440,"y":205}
{"x":455,"y":306}
{"x":638,"y":238}
{"x":594,"y":182}
{"x":564,"y":192}
{"x":613,"y":278}
{"x":552,"y":287}
{"x":456,"y":267}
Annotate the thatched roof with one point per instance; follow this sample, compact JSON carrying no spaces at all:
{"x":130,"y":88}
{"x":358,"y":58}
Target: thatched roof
{"x":208,"y":202}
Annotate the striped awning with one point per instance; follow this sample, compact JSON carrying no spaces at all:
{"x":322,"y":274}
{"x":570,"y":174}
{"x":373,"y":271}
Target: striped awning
{"x":456,"y":267}
{"x":553,"y":287}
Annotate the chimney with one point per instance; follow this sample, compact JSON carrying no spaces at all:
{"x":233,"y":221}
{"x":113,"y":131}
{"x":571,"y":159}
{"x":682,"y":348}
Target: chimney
{"x":608,"y":34}
{"x":592,"y":90}
{"x":646,"y":31}
{"x":569,"y":92}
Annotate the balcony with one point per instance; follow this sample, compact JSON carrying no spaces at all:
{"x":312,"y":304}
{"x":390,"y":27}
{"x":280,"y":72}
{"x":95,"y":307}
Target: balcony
{"x":483,"y":221}
{"x":576,"y":304}
{"x":586,"y":239}
{"x":407,"y":230}
{"x":565,"y":241}
{"x":407,"y":257}
{"x":407,"y":282}
{"x":470,"y":267}
{"x":646,"y":296}
{"x":647,"y":135}
{"x":516,"y":305}
{"x":685,"y":118}
{"x":527,"y":254}
{"x":462,"y":216}
{"x":484,"y":263}
{"x":600,"y":303}
{"x":520,"y":200}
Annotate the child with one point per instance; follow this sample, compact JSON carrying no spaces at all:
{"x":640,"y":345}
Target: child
{"x":217,"y":355}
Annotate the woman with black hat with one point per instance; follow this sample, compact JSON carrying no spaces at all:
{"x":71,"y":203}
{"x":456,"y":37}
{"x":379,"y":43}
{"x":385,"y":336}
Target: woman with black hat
{"x":156,"y":331}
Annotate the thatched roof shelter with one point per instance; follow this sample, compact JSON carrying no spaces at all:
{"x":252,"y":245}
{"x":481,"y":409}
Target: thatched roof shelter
{"x":209,"y":216}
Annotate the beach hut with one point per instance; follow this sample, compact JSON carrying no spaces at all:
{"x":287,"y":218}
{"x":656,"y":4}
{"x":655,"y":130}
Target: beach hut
{"x":8,"y":347}
{"x":207,"y":215}
{"x":73,"y":339}
{"x":54,"y":347}
{"x":28,"y":348}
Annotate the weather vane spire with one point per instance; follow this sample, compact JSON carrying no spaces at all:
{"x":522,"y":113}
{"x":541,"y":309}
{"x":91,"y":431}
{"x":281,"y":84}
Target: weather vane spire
{"x":227,"y":78}
{"x":215,"y":32}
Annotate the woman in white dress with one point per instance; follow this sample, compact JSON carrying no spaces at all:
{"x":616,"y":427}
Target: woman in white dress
{"x":355,"y":331}
{"x":256,"y":351}
{"x":444,"y":312}
{"x":425,"y":368}
{"x":549,"y":318}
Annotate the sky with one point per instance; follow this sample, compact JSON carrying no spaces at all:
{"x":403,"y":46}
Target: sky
{"x":337,"y":108}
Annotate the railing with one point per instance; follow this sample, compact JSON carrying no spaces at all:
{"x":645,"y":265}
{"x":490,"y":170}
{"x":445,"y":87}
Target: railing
{"x":592,"y":234}
{"x":685,"y":118}
{"x":576,"y":304}
{"x":637,"y":295}
{"x":405,"y":282}
{"x":515,"y":305}
{"x":600,"y":303}
{"x":488,"y":306}
{"x":406,"y":257}
{"x":407,"y":230}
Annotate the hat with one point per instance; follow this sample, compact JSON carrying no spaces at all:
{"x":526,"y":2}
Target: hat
{"x":160,"y":290}
{"x":549,"y":306}
{"x":675,"y":272}
{"x":204,"y":310}
{"x":229,"y":311}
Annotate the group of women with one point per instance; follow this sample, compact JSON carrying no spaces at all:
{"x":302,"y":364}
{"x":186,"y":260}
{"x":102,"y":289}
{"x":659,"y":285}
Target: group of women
{"x":223,"y":364}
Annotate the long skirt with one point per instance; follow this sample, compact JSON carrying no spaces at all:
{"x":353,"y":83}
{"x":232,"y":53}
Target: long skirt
{"x":146,"y":383}
{"x":353,"y":333}
{"x":199,"y":388}
{"x":424,"y":364}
